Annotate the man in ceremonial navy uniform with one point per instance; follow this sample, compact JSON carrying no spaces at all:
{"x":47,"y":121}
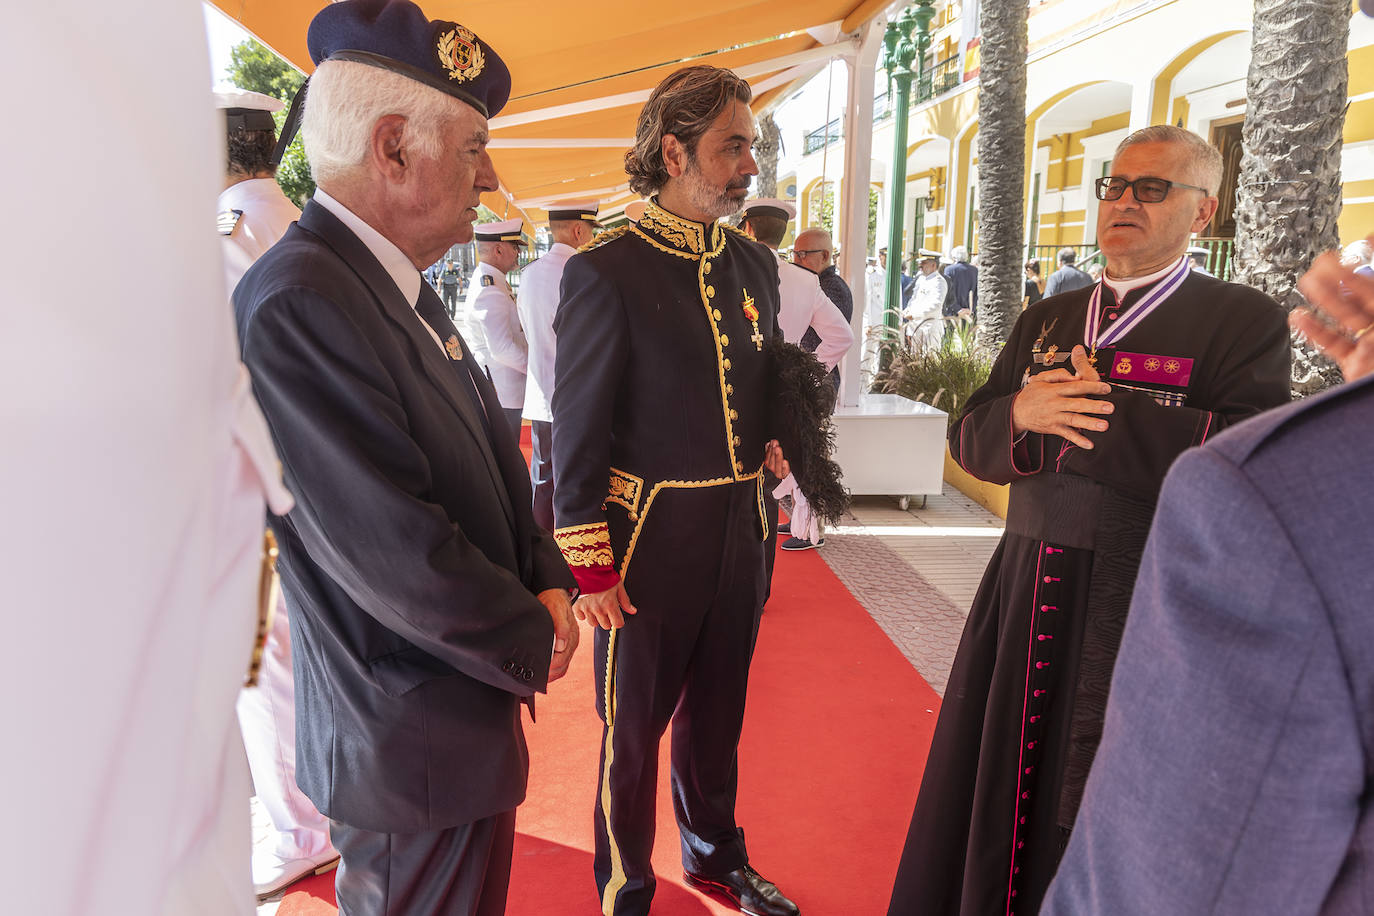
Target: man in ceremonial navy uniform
{"x":493,"y":319}
{"x":1094,"y":395}
{"x":661,"y":431}
{"x":572,"y":225}
{"x":429,"y":603}
{"x":253,"y":215}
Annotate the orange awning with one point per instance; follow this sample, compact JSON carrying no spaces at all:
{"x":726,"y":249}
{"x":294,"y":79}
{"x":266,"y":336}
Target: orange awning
{"x":581,"y":71}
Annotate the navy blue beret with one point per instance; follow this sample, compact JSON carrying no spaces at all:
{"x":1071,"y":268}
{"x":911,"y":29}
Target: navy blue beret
{"x":396,"y":36}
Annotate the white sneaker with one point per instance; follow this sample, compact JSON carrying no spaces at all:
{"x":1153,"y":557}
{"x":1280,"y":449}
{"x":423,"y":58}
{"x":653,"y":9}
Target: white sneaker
{"x":272,"y":873}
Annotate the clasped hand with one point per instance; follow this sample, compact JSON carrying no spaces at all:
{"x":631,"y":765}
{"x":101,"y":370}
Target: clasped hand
{"x":1061,"y":403}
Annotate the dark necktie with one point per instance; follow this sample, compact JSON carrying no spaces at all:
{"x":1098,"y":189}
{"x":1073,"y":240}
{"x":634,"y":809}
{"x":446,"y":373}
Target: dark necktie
{"x":431,"y":309}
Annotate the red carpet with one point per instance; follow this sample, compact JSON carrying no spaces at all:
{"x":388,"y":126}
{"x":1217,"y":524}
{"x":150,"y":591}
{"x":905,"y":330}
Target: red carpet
{"x":835,"y":739}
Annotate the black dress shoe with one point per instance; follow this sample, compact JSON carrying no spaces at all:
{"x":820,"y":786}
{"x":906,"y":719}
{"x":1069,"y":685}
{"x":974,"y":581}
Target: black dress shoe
{"x":784,"y":528}
{"x":748,"y":890}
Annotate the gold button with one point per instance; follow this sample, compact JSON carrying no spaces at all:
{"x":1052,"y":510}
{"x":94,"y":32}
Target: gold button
{"x":726,"y":364}
{"x":710,"y":292}
{"x":725,"y":340}
{"x":634,"y":516}
{"x":706,"y":268}
{"x":734,"y":414}
{"x":729,"y":389}
{"x":716,"y":314}
{"x":736,"y":441}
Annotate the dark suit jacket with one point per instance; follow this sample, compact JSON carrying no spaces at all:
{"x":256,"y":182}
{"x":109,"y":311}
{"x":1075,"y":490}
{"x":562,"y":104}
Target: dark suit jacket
{"x":1235,"y":767}
{"x":411,"y":560}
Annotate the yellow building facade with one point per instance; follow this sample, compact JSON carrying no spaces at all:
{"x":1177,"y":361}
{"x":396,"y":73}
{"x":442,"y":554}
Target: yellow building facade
{"x":1096,"y":70}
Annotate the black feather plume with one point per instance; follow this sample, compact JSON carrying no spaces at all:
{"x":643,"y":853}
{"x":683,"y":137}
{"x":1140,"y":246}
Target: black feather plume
{"x":802,"y":398}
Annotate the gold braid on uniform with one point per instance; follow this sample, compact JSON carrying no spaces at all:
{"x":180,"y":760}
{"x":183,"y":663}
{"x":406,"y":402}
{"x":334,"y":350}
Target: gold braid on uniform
{"x":609,"y":235}
{"x":800,"y":401}
{"x":585,"y":545}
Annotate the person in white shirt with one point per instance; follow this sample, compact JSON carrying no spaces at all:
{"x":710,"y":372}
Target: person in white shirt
{"x":922,"y":316}
{"x":253,"y":215}
{"x":572,"y":225}
{"x":493,"y":324}
{"x":803,"y":304}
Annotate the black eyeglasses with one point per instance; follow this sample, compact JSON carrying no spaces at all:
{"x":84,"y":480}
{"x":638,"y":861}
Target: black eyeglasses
{"x":1146,"y":190}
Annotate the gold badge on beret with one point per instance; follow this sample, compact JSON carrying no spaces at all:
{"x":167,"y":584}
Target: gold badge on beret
{"x":460,"y":54}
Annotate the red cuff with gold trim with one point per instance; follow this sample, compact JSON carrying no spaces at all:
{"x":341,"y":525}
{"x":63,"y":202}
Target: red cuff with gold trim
{"x":587,"y":550}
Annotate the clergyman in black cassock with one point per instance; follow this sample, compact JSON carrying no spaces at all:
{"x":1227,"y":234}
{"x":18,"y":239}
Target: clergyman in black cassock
{"x":1022,"y":713}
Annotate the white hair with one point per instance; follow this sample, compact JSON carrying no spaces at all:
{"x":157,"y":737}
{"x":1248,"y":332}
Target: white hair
{"x":959,"y":253}
{"x":343,"y":103}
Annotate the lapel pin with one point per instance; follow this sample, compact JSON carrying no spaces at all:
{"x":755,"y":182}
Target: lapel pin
{"x":454,"y":348}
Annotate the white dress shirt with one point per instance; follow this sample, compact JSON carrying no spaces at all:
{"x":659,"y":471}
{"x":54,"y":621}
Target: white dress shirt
{"x":536,"y":304}
{"x":394,"y":261}
{"x":803,"y":304}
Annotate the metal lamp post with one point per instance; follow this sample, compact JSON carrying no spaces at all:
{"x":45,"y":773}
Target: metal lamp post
{"x":900,"y":53}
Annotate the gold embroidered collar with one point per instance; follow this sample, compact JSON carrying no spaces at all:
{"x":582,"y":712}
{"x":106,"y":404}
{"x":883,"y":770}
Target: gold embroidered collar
{"x":681,"y":235}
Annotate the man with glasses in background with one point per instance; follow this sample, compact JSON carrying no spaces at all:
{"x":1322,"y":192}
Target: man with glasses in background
{"x":1094,"y":395}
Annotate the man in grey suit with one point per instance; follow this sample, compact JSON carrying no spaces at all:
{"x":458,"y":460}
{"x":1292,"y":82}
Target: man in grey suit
{"x":1234,"y":766}
{"x":426,"y":603}
{"x":1067,"y":277}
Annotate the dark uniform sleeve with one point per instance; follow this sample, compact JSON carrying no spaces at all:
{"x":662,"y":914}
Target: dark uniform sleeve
{"x":360,"y":483}
{"x":1250,"y":373}
{"x":593,"y":345}
{"x":981,"y":440}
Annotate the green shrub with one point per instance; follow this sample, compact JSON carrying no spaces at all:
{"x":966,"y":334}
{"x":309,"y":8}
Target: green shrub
{"x":943,"y":377}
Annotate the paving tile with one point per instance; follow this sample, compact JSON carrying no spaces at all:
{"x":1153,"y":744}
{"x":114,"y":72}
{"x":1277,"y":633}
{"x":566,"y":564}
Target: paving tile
{"x":916,"y":586}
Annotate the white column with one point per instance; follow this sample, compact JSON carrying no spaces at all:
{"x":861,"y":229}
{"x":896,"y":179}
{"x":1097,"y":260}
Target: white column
{"x":853,"y":227}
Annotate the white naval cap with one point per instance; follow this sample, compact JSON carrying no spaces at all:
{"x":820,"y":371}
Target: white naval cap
{"x":1198,"y":249}
{"x":771,"y":206}
{"x":925,"y":254}
{"x":574,"y":209}
{"x":508,"y":230}
{"x":246,"y":110}
{"x":635,"y":209}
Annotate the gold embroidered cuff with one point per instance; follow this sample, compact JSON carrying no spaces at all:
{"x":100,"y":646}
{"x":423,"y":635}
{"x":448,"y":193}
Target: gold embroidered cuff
{"x":585,"y":545}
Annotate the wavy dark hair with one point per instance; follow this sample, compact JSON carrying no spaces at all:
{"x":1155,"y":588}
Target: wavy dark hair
{"x":684,"y":105}
{"x":250,"y":151}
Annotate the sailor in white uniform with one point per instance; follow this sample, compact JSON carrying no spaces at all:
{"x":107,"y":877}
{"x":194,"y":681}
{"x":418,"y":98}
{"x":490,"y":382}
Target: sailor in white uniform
{"x":572,"y":225}
{"x":803,"y":304}
{"x":493,"y":331}
{"x":253,"y":214}
{"x":132,"y":580}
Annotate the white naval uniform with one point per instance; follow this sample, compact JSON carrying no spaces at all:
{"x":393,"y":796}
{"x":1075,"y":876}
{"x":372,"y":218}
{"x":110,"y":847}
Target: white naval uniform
{"x":267,"y":712}
{"x":503,"y":351}
{"x":536,"y":303}
{"x":136,"y":467}
{"x":265,"y":215}
{"x":803,"y":304}
{"x":924,"y":326}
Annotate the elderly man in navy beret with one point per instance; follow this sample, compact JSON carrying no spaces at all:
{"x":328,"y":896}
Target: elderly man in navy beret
{"x":426,"y":603}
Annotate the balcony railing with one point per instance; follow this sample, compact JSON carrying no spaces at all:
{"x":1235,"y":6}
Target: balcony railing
{"x":823,"y":136}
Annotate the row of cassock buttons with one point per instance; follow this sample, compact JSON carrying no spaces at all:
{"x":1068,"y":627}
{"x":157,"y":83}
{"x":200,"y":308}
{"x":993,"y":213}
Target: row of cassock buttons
{"x":517,"y":671}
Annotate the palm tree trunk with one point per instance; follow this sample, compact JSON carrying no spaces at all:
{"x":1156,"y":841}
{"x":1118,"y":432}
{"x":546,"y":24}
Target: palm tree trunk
{"x":1001,"y":169}
{"x":769,"y":145}
{"x":1289,"y":193}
